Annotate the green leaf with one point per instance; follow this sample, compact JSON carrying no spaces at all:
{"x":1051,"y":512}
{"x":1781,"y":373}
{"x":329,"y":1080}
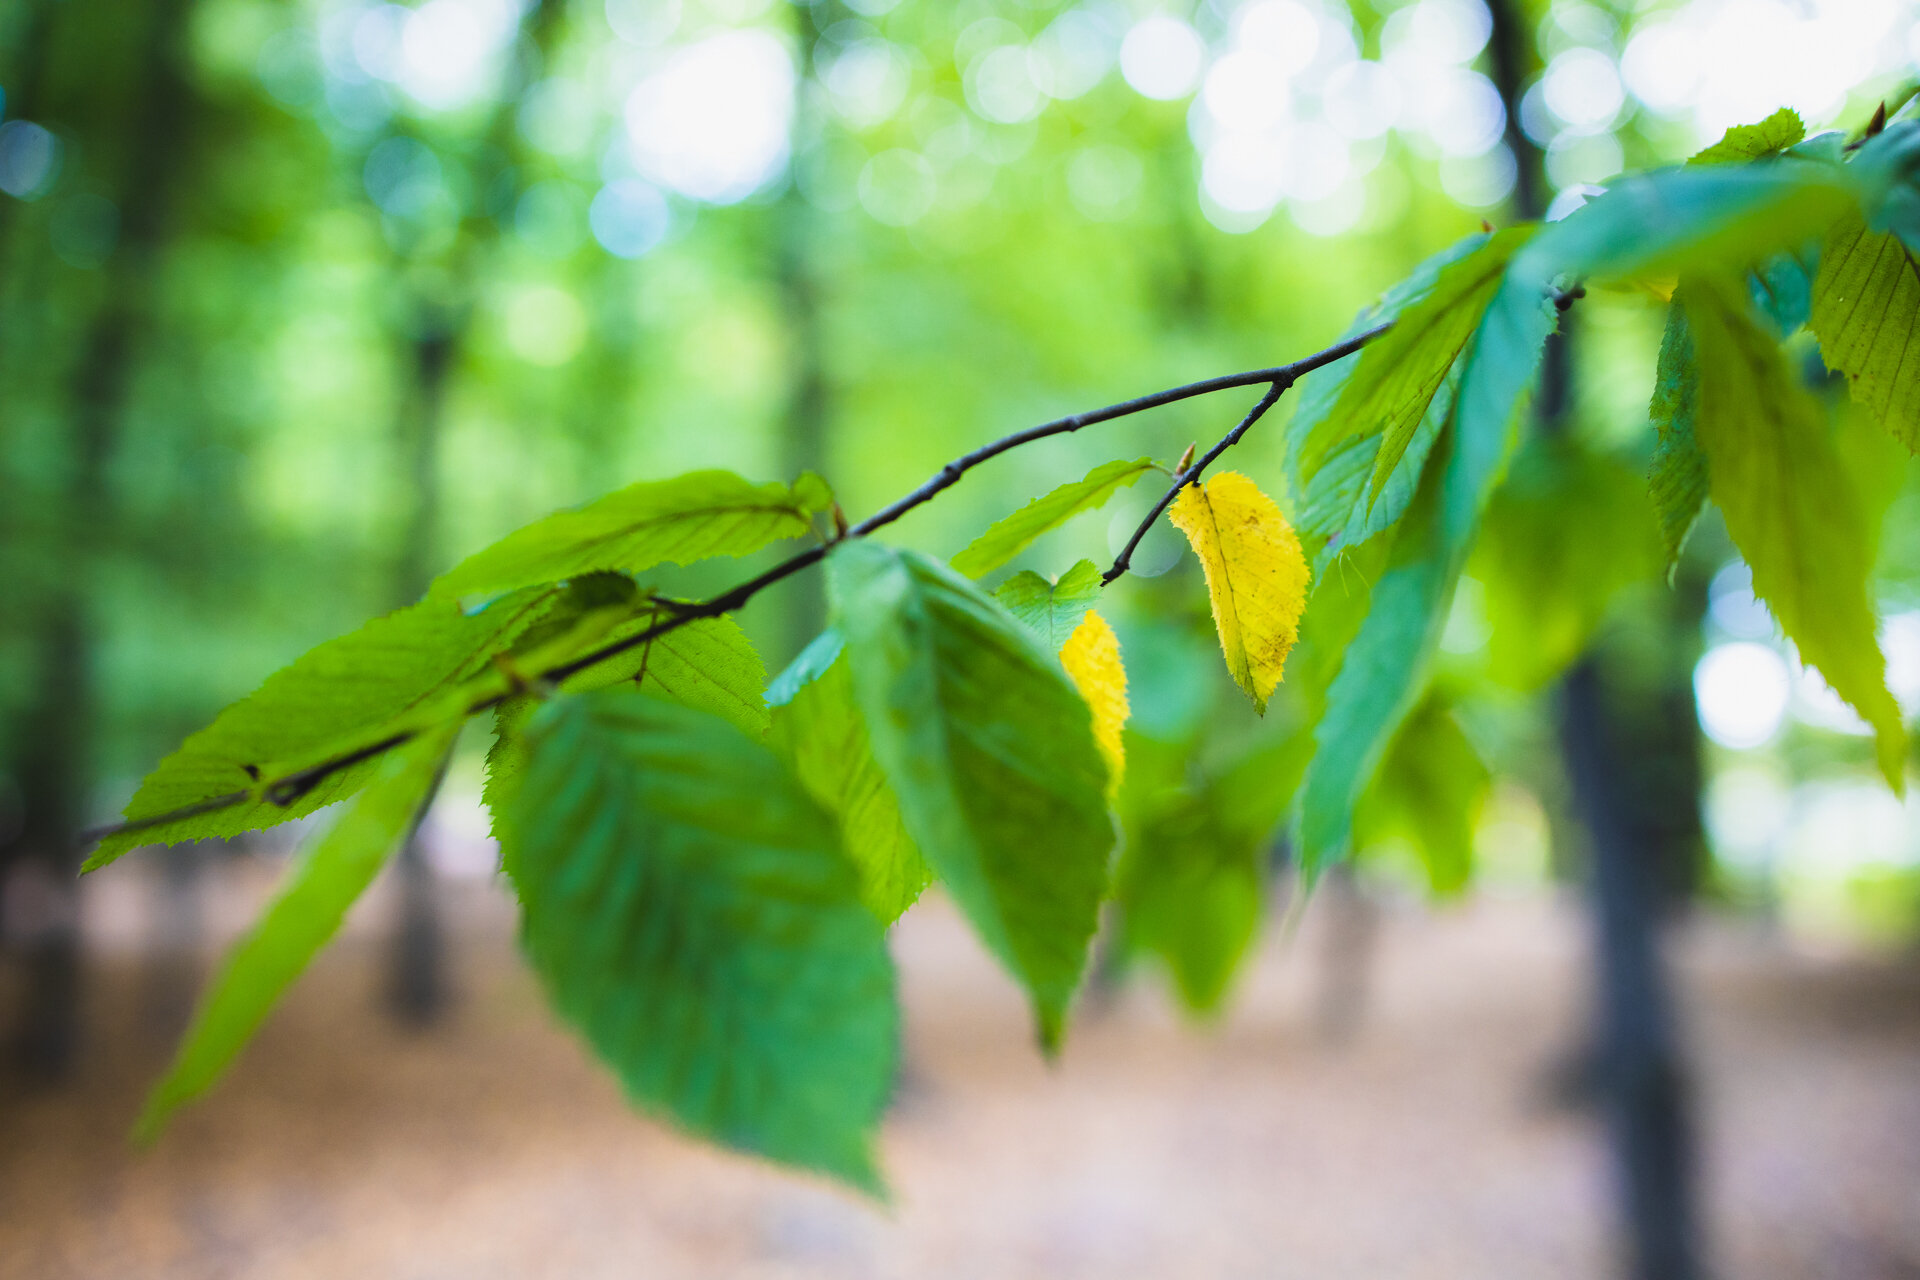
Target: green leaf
{"x":307,"y":912}
{"x":709,"y":665}
{"x":678,"y":521}
{"x":1745,"y":142}
{"x":353,"y":683}
{"x":1384,"y":669}
{"x":991,"y":752}
{"x":1053,"y":609}
{"x":1866,"y":310}
{"x":820,"y":732}
{"x":1428,"y":793}
{"x":686,"y":907}
{"x":1784,"y":491}
{"x":1007,"y":538}
{"x":1397,"y":375}
{"x":1677,"y":478}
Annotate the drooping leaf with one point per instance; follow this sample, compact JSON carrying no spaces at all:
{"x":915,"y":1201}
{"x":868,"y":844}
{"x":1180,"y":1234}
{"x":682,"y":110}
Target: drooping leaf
{"x":1008,"y":537}
{"x":1053,"y":609}
{"x":352,"y":683}
{"x":1677,"y":477}
{"x":1383,"y":671}
{"x":686,"y":907}
{"x":1091,"y":656}
{"x":819,"y":730}
{"x":1428,"y":793}
{"x":809,"y":665}
{"x":1866,"y":312}
{"x":330,"y":877}
{"x":678,"y":521}
{"x":1789,"y":506}
{"x":1397,"y":375}
{"x":991,"y":753}
{"x":1746,"y":142}
{"x":1256,"y":575}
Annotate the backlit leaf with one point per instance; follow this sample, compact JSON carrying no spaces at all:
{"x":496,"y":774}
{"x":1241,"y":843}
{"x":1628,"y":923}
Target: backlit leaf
{"x":1007,"y":538}
{"x":991,"y":753}
{"x":687,"y":907}
{"x":354,"y":682}
{"x":1256,"y":575}
{"x":1053,"y":609}
{"x":1428,"y":793}
{"x":1788,"y":503}
{"x":1092,"y":659}
{"x":1743,"y":142}
{"x":1866,"y":312}
{"x":330,"y":877}
{"x":818,"y":728}
{"x":678,"y":521}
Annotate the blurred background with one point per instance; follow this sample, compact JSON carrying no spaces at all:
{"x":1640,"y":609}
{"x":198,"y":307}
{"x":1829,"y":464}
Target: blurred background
{"x":302,"y":300}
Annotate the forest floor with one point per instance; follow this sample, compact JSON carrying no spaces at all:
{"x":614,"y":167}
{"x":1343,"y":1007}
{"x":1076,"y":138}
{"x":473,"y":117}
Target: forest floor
{"x":1422,"y":1143}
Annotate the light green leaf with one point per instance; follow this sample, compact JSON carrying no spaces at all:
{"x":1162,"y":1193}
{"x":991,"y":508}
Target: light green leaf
{"x":678,"y":521}
{"x":1746,"y":142}
{"x":330,"y":877}
{"x":1866,"y":311}
{"x":1007,"y":538}
{"x":991,"y":752}
{"x":1677,"y":478}
{"x":1053,"y":609}
{"x":1397,"y":375}
{"x":1783,"y":489}
{"x":819,"y":730}
{"x":353,"y":683}
{"x":686,"y":907}
{"x":709,"y":665}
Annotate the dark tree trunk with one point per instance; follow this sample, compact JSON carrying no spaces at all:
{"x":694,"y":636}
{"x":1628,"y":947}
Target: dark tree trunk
{"x":1633,"y":765}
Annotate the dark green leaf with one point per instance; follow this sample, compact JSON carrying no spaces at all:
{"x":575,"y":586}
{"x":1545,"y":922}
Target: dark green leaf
{"x":1052,"y":609}
{"x":678,"y":521}
{"x":1009,"y":537}
{"x":687,"y":908}
{"x":991,"y":752}
{"x":1788,"y":503}
{"x":331,"y":876}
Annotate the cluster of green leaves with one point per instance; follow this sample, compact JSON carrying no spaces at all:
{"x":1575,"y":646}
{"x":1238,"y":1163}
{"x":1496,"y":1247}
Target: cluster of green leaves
{"x":707,"y":861}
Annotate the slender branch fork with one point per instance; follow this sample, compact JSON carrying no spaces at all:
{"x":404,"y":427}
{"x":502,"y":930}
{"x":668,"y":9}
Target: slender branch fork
{"x":289,"y":789}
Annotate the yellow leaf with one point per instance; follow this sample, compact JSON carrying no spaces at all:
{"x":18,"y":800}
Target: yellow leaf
{"x":1255,"y":575}
{"x":1092,"y":658}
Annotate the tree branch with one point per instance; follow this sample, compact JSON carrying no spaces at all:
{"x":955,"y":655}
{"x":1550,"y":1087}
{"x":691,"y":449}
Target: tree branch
{"x":289,"y":789}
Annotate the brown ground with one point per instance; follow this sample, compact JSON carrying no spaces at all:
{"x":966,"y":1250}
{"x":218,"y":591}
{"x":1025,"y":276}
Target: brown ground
{"x":1422,"y":1148}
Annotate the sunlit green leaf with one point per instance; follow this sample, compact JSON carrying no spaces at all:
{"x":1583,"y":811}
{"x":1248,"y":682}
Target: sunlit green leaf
{"x":1771,"y":136}
{"x":819,"y":729}
{"x":678,"y":521}
{"x":357,"y":681}
{"x":687,"y":907}
{"x":1007,"y":538}
{"x":990,"y":751}
{"x":1789,"y":506}
{"x":1866,"y":313}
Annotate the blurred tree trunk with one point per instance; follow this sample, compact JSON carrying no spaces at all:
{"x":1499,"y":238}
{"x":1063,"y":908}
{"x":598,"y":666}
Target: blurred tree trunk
{"x":54,"y":762}
{"x":1614,"y":745}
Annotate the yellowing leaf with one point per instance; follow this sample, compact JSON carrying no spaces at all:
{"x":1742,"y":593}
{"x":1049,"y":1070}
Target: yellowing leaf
{"x":1092,"y":659}
{"x":1256,"y":575}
